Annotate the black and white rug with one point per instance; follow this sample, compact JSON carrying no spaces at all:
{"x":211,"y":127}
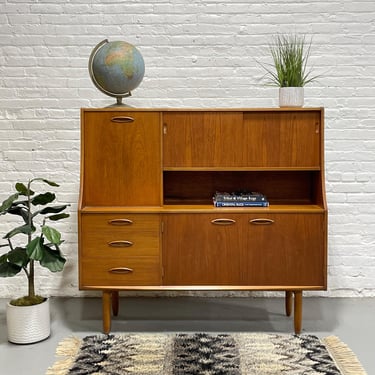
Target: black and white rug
{"x":205,"y":354}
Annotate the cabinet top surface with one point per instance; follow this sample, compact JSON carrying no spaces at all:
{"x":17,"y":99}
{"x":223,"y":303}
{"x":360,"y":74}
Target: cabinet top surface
{"x":122,"y":108}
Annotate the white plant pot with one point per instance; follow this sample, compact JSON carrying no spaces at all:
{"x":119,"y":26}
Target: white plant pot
{"x":28,"y":324}
{"x":291,"y":96}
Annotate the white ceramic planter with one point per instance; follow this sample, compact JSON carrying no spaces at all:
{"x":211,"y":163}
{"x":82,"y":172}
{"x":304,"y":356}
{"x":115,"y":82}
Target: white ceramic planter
{"x":291,"y":96}
{"x":28,"y":324}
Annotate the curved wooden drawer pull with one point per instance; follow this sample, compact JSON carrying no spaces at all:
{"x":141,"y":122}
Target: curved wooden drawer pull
{"x":223,"y":221}
{"x":120,"y":243}
{"x":120,"y":222}
{"x":120,"y":270}
{"x":261,"y":221}
{"x":122,"y":119}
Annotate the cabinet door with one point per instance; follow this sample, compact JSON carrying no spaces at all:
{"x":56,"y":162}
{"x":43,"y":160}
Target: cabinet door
{"x":272,"y":250}
{"x":196,"y":251}
{"x":121,"y":158}
{"x":202,"y":139}
{"x":284,"y":249}
{"x":286,"y":139}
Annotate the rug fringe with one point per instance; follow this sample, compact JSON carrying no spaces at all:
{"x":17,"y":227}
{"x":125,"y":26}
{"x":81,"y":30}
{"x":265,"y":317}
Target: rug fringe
{"x":69,"y":349}
{"x":345,"y":359}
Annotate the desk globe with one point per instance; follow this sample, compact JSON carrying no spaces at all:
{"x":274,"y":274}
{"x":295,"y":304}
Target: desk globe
{"x":116,"y":68}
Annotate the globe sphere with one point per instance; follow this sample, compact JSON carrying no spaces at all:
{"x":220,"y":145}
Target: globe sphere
{"x":116,"y":68}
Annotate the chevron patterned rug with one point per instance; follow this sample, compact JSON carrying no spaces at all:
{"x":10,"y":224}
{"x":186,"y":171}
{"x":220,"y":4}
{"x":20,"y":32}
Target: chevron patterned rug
{"x":205,"y":354}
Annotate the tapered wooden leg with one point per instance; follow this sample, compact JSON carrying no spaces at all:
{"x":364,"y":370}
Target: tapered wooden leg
{"x":115,"y":302}
{"x":106,"y":305}
{"x":288,"y":302}
{"x":297,"y":311}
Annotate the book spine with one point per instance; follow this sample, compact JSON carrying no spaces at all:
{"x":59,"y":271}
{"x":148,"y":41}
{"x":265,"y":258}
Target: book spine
{"x":252,"y":198}
{"x":240,"y":198}
{"x":241,"y":204}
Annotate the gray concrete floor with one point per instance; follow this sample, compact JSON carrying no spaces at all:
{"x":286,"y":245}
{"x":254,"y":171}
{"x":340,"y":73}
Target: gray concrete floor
{"x":351,"y":319}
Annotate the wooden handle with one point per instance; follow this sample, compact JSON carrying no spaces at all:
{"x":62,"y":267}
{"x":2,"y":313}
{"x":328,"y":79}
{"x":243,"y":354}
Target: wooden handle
{"x":261,"y":221}
{"x":120,"y":270}
{"x":120,"y":243}
{"x":223,"y":221}
{"x":120,"y":222}
{"x":122,"y":119}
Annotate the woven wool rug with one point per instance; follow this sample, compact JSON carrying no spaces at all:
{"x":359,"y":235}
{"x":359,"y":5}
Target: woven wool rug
{"x":205,"y":354}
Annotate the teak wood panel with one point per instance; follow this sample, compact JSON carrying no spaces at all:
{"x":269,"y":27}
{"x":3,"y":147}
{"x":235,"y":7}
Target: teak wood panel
{"x":121,"y":159}
{"x":283,"y":139}
{"x":202,"y":139}
{"x":257,"y":139}
{"x":278,"y":249}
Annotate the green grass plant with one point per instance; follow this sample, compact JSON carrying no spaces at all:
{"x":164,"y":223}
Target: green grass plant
{"x":290,"y":54}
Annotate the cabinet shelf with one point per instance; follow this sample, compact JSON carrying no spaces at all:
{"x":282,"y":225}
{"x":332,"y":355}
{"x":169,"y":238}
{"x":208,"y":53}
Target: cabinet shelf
{"x":280,"y":187}
{"x":279,"y":208}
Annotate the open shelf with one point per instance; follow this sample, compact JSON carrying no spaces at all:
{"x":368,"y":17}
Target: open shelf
{"x":280,"y":187}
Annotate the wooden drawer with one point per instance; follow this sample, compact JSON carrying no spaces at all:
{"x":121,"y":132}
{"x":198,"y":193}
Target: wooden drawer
{"x":115,"y":236}
{"x":120,"y":272}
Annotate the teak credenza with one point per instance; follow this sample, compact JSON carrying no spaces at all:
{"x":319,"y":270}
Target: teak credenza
{"x":146,"y":217}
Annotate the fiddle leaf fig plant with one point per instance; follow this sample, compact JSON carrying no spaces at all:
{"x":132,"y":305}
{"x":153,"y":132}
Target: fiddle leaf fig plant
{"x":34,"y":240}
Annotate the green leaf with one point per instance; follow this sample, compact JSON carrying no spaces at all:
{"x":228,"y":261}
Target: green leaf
{"x":51,"y":234}
{"x":35,"y":249}
{"x":58,"y":217}
{"x":51,"y":183}
{"x":20,"y":211}
{"x":52,"y":259}
{"x":53,"y":210}
{"x":23,"y":190}
{"x":3,"y":258}
{"x":9,"y":269}
{"x":43,"y":199}
{"x":25,"y":229}
{"x":8,"y":203}
{"x":18,"y":257}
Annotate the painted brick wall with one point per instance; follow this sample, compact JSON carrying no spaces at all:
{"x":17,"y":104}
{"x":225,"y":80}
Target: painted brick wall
{"x":198,"y":54}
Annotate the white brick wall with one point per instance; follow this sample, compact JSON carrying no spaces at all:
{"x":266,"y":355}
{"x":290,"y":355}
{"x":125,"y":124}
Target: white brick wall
{"x":198,"y":53}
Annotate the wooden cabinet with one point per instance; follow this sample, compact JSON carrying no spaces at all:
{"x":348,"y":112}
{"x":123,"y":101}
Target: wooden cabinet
{"x":146,"y":216}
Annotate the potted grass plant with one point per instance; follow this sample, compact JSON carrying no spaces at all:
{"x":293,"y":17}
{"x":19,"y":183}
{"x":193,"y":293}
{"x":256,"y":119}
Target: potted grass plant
{"x":31,"y":242}
{"x":289,"y":71}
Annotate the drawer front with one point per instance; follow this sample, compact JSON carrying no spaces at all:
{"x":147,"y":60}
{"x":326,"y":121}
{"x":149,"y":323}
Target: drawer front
{"x":128,"y":271}
{"x":115,"y":236}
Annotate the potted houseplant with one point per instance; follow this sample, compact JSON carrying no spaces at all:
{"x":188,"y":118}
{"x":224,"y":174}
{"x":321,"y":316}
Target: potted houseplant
{"x":29,"y":243}
{"x":289,"y":71}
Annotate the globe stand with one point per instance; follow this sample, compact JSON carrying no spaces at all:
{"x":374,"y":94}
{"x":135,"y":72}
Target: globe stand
{"x":119,"y":102}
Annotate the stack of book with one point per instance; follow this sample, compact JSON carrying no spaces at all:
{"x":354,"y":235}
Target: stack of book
{"x":240,"y":199}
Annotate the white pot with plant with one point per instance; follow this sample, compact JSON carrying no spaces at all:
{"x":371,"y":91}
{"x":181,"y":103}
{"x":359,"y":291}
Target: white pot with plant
{"x":32,"y":242}
{"x":289,"y":71}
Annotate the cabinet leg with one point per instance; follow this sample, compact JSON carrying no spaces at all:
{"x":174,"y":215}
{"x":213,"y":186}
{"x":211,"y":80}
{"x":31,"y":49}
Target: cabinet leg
{"x":297,"y":311}
{"x":115,"y":302}
{"x":288,"y":302}
{"x":106,"y":305}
